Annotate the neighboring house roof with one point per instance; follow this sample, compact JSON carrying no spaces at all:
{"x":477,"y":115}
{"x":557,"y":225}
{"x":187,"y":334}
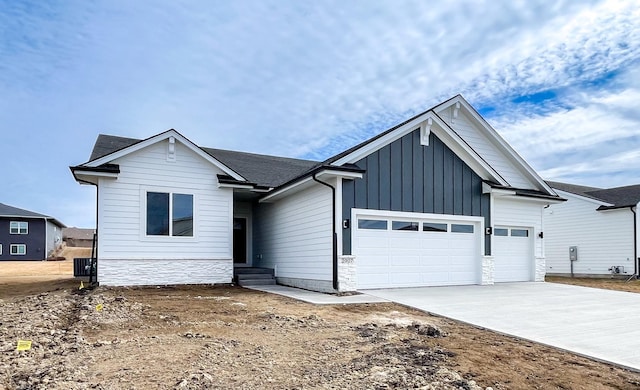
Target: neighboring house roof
{"x":263,"y":170}
{"x":74,"y":233}
{"x":618,"y":197}
{"x":10,"y":211}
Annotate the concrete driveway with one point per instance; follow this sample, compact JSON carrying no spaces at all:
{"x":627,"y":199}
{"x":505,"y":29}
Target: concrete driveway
{"x":602,"y":324}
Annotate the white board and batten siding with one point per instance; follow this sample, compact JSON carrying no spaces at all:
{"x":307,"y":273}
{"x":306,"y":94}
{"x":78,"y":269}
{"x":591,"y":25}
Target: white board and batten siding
{"x":486,"y":148}
{"x":128,"y":257}
{"x":293,"y":236}
{"x":518,"y":256}
{"x":603,"y":238}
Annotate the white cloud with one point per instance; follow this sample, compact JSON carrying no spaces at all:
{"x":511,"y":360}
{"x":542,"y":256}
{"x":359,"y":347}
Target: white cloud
{"x":308,"y":78}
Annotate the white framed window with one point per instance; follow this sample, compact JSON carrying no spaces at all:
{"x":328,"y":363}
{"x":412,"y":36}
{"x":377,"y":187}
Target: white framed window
{"x":18,"y":249}
{"x":0,"y":249}
{"x":18,"y":227}
{"x":169,"y":214}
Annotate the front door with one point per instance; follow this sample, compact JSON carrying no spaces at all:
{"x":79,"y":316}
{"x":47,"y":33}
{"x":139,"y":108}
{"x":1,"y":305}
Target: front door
{"x":239,"y":240}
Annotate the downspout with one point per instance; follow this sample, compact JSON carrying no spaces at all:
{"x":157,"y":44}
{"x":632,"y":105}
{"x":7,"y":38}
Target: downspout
{"x":635,"y":241}
{"x":334,"y":235}
{"x":95,"y":236}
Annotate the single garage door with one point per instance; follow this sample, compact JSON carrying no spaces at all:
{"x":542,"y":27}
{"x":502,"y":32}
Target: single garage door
{"x":512,"y":254}
{"x":412,"y":252}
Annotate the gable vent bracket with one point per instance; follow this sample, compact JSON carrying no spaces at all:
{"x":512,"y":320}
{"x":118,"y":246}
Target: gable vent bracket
{"x":171,"y":150}
{"x":456,"y":109}
{"x":425,"y":130}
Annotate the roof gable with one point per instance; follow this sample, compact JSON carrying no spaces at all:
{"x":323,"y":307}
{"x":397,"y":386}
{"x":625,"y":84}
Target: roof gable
{"x":465,"y":121}
{"x":127,"y":146}
{"x":263,"y":170}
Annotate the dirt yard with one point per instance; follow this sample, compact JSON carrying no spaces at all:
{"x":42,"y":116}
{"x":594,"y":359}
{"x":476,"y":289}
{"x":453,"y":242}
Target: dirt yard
{"x":199,"y":337}
{"x":606,"y":283}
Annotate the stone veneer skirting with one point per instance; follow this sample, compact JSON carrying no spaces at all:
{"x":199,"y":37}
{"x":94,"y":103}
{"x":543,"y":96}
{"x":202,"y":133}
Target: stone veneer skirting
{"x":122,"y":272}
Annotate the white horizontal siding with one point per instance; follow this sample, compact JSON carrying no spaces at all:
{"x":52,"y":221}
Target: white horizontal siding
{"x":486,"y":149}
{"x":603,"y":238}
{"x":520,"y":213}
{"x":122,"y":217}
{"x":293,"y":235}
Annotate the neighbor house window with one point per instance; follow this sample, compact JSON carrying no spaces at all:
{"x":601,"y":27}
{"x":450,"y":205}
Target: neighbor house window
{"x":18,"y":249}
{"x":16,"y":227}
{"x":169,"y":214}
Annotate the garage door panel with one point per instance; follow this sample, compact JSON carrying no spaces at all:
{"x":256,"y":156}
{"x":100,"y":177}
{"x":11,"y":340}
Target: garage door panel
{"x":366,"y":242}
{"x":513,"y":256}
{"x":417,"y":258}
{"x":404,"y":260}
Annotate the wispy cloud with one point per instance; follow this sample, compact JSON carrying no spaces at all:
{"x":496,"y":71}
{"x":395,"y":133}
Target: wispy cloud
{"x":312,"y":78}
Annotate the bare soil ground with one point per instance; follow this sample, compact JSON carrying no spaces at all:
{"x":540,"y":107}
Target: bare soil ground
{"x":202,"y":337}
{"x":606,"y":283}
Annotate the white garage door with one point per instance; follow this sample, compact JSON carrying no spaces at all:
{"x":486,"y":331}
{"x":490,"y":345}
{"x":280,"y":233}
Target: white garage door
{"x":512,"y":254}
{"x":412,"y":252}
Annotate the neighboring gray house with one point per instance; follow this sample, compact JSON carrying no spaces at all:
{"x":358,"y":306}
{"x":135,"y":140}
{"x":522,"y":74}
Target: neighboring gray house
{"x":440,"y":199}
{"x":25,"y":235}
{"x":601,"y":223}
{"x":77,"y":237}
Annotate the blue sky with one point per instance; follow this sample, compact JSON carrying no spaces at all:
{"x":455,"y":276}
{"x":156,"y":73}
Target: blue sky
{"x":558,"y":80}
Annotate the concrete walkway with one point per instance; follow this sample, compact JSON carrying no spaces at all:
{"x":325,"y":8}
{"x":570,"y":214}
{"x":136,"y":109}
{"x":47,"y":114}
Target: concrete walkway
{"x":601,"y":324}
{"x":316,"y":297}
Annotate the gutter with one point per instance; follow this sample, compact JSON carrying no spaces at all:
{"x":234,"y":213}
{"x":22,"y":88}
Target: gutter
{"x":334,"y":235}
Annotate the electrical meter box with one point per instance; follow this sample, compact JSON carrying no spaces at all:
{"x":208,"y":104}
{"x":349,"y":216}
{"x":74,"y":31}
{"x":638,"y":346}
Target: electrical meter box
{"x":573,"y":253}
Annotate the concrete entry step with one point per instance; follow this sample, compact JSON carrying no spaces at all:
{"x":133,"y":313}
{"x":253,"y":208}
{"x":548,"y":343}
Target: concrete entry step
{"x":253,"y":276}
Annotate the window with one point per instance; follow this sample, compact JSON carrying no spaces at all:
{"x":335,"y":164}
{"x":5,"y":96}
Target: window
{"x":373,"y":224}
{"x":434,"y":227}
{"x":169,"y":214}
{"x":501,"y":232}
{"x":519,"y":233}
{"x":0,"y":249}
{"x":16,"y":227}
{"x":401,"y":225}
{"x":18,"y":249}
{"x":455,"y":228}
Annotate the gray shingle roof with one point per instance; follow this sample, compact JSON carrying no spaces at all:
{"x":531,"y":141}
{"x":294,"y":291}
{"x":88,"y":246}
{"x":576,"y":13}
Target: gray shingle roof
{"x":10,"y":211}
{"x":626,"y":196}
{"x":263,"y":170}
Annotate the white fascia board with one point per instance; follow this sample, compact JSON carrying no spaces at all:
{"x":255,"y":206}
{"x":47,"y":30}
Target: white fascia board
{"x":299,"y":185}
{"x":584,"y":198}
{"x":308,"y":182}
{"x":96,"y":174}
{"x":373,"y":146}
{"x":446,"y":135}
{"x":340,"y":174}
{"x":161,"y":137}
{"x":498,"y":141}
{"x":227,"y":185}
{"x":465,"y":152}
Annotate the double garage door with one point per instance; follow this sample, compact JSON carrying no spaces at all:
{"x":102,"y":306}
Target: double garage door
{"x":410,"y":251}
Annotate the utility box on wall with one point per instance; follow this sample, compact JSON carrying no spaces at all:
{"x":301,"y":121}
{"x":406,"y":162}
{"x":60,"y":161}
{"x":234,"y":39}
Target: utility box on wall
{"x":573,"y":253}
